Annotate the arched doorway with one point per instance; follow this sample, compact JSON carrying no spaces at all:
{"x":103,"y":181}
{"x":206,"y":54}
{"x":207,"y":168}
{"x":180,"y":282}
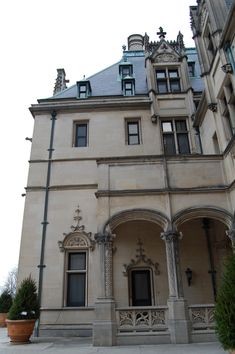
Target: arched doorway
{"x":139,"y":265}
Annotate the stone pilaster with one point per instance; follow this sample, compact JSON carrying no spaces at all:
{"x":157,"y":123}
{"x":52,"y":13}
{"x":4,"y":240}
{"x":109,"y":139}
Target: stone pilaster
{"x":104,"y":326}
{"x":178,"y":317}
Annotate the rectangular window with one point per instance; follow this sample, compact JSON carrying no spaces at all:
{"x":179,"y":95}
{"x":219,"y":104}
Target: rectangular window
{"x":76,"y":279}
{"x":82,"y":91}
{"x":191,"y":68}
{"x":175,"y":137}
{"x":133,"y":132}
{"x":81,"y":134}
{"x":168,"y":80}
{"x":128,"y":88}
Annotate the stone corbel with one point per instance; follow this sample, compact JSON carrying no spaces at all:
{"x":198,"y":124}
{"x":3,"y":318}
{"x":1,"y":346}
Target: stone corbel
{"x":212,"y":107}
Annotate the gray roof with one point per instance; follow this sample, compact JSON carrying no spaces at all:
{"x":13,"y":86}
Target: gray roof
{"x":108,"y":82}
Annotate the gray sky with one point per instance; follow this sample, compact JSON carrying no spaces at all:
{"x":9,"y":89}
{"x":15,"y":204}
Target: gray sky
{"x":37,"y":37}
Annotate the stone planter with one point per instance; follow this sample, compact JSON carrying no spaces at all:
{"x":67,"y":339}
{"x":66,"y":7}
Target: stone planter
{"x":3,"y":317}
{"x":20,"y":331}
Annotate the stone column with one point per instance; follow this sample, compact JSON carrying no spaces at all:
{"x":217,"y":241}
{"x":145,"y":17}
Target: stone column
{"x":178,"y":317}
{"x":104,"y":326}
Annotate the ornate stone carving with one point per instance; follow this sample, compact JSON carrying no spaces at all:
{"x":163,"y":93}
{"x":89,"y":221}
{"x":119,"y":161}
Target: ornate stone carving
{"x":166,"y":57}
{"x":171,"y":238}
{"x":141,"y":257}
{"x":105,"y":240}
{"x":131,"y":320}
{"x":78,"y":238}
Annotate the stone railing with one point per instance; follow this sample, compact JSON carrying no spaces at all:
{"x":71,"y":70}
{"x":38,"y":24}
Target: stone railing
{"x":202,"y":317}
{"x":139,"y":319}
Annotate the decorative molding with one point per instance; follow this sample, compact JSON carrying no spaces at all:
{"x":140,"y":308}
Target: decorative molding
{"x":78,"y":238}
{"x":171,"y":236}
{"x":166,"y":57}
{"x":141,"y":257}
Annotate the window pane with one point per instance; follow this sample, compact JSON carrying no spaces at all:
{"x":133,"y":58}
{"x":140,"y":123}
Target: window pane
{"x":82,"y":88}
{"x":162,"y":86}
{"x":183,"y":143}
{"x":181,"y":126}
{"x":161,"y":74}
{"x":141,"y":290}
{"x":175,"y":85}
{"x":81,"y":130}
{"x":77,"y":261}
{"x":169,"y":144}
{"x":76,"y":290}
{"x":167,"y":126}
{"x":173,"y":73}
{"x":126,"y":71}
{"x":133,"y":140}
{"x":128,"y":85}
{"x":132,"y":128}
{"x":82,"y":95}
{"x":191,"y":68}
{"x":81,"y":135}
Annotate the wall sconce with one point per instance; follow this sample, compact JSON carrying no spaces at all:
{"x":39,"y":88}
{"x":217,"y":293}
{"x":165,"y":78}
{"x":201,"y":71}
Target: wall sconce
{"x":189,"y":275}
{"x":154,"y":118}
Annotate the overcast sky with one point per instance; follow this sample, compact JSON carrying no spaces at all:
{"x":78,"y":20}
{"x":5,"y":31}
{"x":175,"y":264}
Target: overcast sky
{"x":37,"y":37}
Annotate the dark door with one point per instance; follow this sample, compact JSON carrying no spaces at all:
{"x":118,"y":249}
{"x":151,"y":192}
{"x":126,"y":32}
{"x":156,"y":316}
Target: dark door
{"x":141,"y":288}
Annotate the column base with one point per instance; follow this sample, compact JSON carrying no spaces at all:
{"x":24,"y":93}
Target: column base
{"x":178,"y":322}
{"x":104,"y":326}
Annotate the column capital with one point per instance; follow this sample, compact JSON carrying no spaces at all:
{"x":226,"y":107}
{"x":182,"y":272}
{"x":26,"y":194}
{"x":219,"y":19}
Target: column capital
{"x":104,"y":237}
{"x":171,"y":235}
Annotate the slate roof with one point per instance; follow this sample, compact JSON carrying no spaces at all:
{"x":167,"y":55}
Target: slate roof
{"x":108,"y":82}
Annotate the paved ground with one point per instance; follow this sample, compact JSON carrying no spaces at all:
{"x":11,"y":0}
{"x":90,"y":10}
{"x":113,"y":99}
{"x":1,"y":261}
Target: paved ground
{"x":83,"y":346}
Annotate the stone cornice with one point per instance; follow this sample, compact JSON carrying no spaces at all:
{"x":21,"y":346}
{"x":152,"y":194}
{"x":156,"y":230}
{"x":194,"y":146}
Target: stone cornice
{"x":72,"y":105}
{"x":141,"y":192}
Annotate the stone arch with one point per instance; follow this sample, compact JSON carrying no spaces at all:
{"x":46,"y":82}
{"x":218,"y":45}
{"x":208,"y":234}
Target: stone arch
{"x":212,"y":212}
{"x":137,"y":214}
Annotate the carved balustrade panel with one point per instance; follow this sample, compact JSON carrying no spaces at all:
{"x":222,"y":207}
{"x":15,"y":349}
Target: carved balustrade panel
{"x":202,"y":317}
{"x":142,"y":320}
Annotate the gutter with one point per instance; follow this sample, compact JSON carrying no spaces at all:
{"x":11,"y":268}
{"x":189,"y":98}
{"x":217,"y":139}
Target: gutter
{"x":45,"y":222}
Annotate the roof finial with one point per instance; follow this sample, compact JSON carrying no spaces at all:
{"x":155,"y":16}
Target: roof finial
{"x":161,"y":33}
{"x":124,"y":47}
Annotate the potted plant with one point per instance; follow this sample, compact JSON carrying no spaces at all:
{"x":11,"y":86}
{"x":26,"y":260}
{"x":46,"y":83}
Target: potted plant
{"x":23,"y":312}
{"x":5,"y":304}
{"x":225,"y":307}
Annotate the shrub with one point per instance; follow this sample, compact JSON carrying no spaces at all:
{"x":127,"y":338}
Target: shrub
{"x":225,"y":306}
{"x":25,"y":305}
{"x":5,"y":301}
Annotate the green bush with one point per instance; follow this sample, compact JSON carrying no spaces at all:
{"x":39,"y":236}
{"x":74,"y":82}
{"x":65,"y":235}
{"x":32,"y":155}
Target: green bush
{"x":25,"y":304}
{"x":225,"y":307}
{"x":5,"y":301}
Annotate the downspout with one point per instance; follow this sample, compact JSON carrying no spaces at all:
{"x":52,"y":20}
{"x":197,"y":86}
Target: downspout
{"x":45,"y":222}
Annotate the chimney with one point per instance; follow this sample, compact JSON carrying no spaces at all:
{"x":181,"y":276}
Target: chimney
{"x":135,"y":42}
{"x":60,"y":83}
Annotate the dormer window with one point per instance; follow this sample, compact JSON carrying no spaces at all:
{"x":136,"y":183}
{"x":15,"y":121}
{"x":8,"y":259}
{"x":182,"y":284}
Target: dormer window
{"x":84,"y":89}
{"x":128,"y":86}
{"x":125,"y":70}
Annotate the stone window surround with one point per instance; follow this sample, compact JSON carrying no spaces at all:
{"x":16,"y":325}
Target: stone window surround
{"x":133,"y":120}
{"x":75,"y":124}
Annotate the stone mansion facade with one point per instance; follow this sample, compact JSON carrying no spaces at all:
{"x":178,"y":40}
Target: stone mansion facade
{"x":130,"y":199}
